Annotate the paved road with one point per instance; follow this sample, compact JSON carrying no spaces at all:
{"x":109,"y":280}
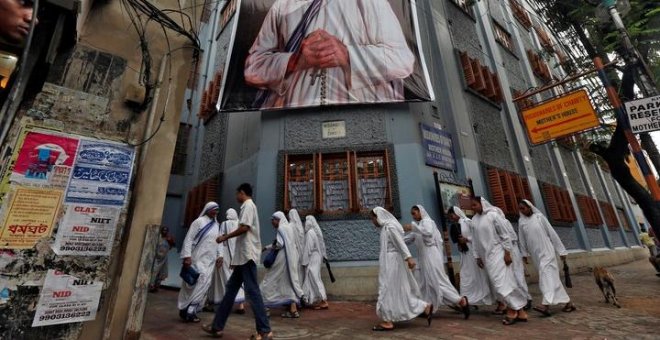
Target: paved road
{"x":637,"y":287}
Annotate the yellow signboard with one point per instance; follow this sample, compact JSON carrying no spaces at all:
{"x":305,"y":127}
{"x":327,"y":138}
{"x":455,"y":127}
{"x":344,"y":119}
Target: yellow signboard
{"x":560,"y":117}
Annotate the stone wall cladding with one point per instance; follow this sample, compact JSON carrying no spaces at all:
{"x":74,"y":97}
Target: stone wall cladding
{"x":595,"y":238}
{"x":611,"y":186}
{"x":568,"y":237}
{"x":595,"y":181}
{"x":464,"y":32}
{"x":214,"y":145}
{"x":632,"y":239}
{"x":543,"y":167}
{"x":617,"y":240}
{"x":573,"y":171}
{"x":490,"y":134}
{"x":346,"y":240}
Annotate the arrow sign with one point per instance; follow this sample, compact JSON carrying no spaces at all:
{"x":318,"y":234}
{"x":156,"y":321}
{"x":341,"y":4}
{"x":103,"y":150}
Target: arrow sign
{"x":562,"y":112}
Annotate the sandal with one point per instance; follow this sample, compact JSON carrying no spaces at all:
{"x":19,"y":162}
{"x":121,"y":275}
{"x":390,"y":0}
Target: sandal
{"x":380,"y":328}
{"x":320,"y":307}
{"x":528,"y":306}
{"x":258,"y":336}
{"x":212,"y":331}
{"x":240,"y":311}
{"x":498,"y":312}
{"x":193,"y":319}
{"x":544,"y":311}
{"x":466,"y":309}
{"x":568,"y":309}
{"x":290,"y":315}
{"x":507,"y":321}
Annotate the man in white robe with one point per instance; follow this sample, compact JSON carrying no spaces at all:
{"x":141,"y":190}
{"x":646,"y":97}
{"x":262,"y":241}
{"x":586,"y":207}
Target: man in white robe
{"x":433,"y":281}
{"x":399,"y":297}
{"x":474,"y":280}
{"x":493,"y":251}
{"x":281,"y":285}
{"x":318,"y":52}
{"x":539,"y":240}
{"x":201,"y":252}
{"x":312,"y":259}
{"x":222,"y":272}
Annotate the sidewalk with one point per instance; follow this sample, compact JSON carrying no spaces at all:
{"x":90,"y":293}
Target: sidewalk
{"x":638,"y":290}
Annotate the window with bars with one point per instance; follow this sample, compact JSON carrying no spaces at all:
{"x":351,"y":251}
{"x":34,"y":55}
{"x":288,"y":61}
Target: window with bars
{"x":199,"y":196}
{"x":181,"y":150}
{"x":503,"y":37}
{"x":558,"y":204}
{"x":589,"y":211}
{"x":480,"y":79}
{"x":337,"y":183}
{"x":520,"y":14}
{"x":507,"y":189}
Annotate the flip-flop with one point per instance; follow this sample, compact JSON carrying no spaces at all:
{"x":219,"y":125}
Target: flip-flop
{"x":569,"y":309}
{"x":379,"y":328}
{"x":498,"y":312}
{"x":289,"y":315}
{"x":507,"y":321}
{"x":545,"y":312}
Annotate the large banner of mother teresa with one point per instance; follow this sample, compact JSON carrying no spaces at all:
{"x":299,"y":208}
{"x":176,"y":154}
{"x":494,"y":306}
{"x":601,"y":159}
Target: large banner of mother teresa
{"x":306,"y":53}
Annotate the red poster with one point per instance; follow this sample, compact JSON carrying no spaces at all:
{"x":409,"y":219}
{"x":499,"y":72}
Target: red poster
{"x":43,"y":154}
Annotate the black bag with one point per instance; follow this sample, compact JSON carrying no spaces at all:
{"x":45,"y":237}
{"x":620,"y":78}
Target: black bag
{"x":189,"y":275}
{"x":270,"y":257}
{"x":455,"y":234}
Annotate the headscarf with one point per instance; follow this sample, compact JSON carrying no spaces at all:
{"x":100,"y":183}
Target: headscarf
{"x":384,"y":217}
{"x":426,"y":218}
{"x":294,"y":218}
{"x":523,"y":218}
{"x":232,"y":215}
{"x":278,"y":215}
{"x":298,"y":229}
{"x":488,"y":207}
{"x":310,"y":222}
{"x":459,"y":212}
{"x":208,"y":207}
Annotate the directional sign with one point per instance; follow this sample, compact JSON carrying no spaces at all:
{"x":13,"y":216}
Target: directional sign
{"x":644,"y":114}
{"x":560,"y":117}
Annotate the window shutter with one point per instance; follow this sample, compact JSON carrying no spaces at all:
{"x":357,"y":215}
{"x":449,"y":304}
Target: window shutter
{"x":489,"y":90}
{"x":479,"y":84}
{"x":497,"y":88}
{"x":467,"y":69}
{"x":506,"y":179}
{"x":552,"y":203}
{"x":202,"y":105}
{"x":495,"y":186}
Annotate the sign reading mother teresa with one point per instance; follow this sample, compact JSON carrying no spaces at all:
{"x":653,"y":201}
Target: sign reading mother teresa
{"x":306,"y":53}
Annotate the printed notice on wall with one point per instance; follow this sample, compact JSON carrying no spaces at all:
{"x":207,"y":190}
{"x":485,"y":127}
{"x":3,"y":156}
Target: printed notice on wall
{"x":30,"y":216}
{"x":101,"y":174}
{"x":86,"y":230}
{"x":66,"y":299}
{"x":44,"y":159}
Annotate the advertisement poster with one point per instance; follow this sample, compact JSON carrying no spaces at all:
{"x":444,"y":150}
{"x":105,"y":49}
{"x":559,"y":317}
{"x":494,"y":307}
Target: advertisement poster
{"x":86,"y":230}
{"x":44,"y":159}
{"x":66,"y":299}
{"x":293,"y":53}
{"x":9,"y":157}
{"x":457,"y":195}
{"x":101,"y":174}
{"x":31,"y":215}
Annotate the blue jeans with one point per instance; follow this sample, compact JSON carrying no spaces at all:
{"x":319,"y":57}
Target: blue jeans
{"x":246,"y":275}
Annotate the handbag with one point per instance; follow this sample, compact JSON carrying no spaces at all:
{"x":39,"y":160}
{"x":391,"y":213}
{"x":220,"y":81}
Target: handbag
{"x":269,"y":260}
{"x":189,"y":275}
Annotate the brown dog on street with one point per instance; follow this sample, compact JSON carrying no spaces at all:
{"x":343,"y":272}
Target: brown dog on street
{"x":605,"y":282}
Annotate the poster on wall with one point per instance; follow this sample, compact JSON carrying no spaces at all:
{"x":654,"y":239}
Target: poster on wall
{"x":438,"y":148}
{"x":44,"y":159}
{"x":86,"y":230}
{"x":293,"y":53}
{"x":66,"y":299}
{"x":101,"y":174}
{"x":457,"y":195}
{"x":30,"y":216}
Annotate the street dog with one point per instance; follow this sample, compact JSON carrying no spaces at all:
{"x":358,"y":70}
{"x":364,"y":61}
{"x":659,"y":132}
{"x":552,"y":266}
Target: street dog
{"x":605,"y":282}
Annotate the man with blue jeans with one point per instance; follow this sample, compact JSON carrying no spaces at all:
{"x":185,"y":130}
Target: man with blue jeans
{"x":244,"y":263}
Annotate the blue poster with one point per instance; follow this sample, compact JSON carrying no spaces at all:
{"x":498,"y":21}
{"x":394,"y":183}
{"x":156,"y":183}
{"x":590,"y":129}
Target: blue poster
{"x":438,"y":148}
{"x":101,"y":174}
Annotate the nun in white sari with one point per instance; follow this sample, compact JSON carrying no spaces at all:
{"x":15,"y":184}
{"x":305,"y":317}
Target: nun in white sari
{"x":201,"y":252}
{"x":399,"y":298}
{"x":474,"y":280}
{"x":433,"y":282}
{"x":539,"y":240}
{"x":493,"y":251}
{"x":299,"y":231}
{"x":223,"y":269}
{"x":312,"y":259}
{"x":281,"y":284}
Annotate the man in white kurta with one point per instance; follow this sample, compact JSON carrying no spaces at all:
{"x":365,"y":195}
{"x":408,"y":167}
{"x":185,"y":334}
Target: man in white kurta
{"x":539,"y":240}
{"x":399,"y":297}
{"x":281,"y":285}
{"x":201,"y":252}
{"x":344,"y":52}
{"x":433,"y":282}
{"x":474,"y":280}
{"x":222,"y":272}
{"x":493,"y":250}
{"x":312,"y":259}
